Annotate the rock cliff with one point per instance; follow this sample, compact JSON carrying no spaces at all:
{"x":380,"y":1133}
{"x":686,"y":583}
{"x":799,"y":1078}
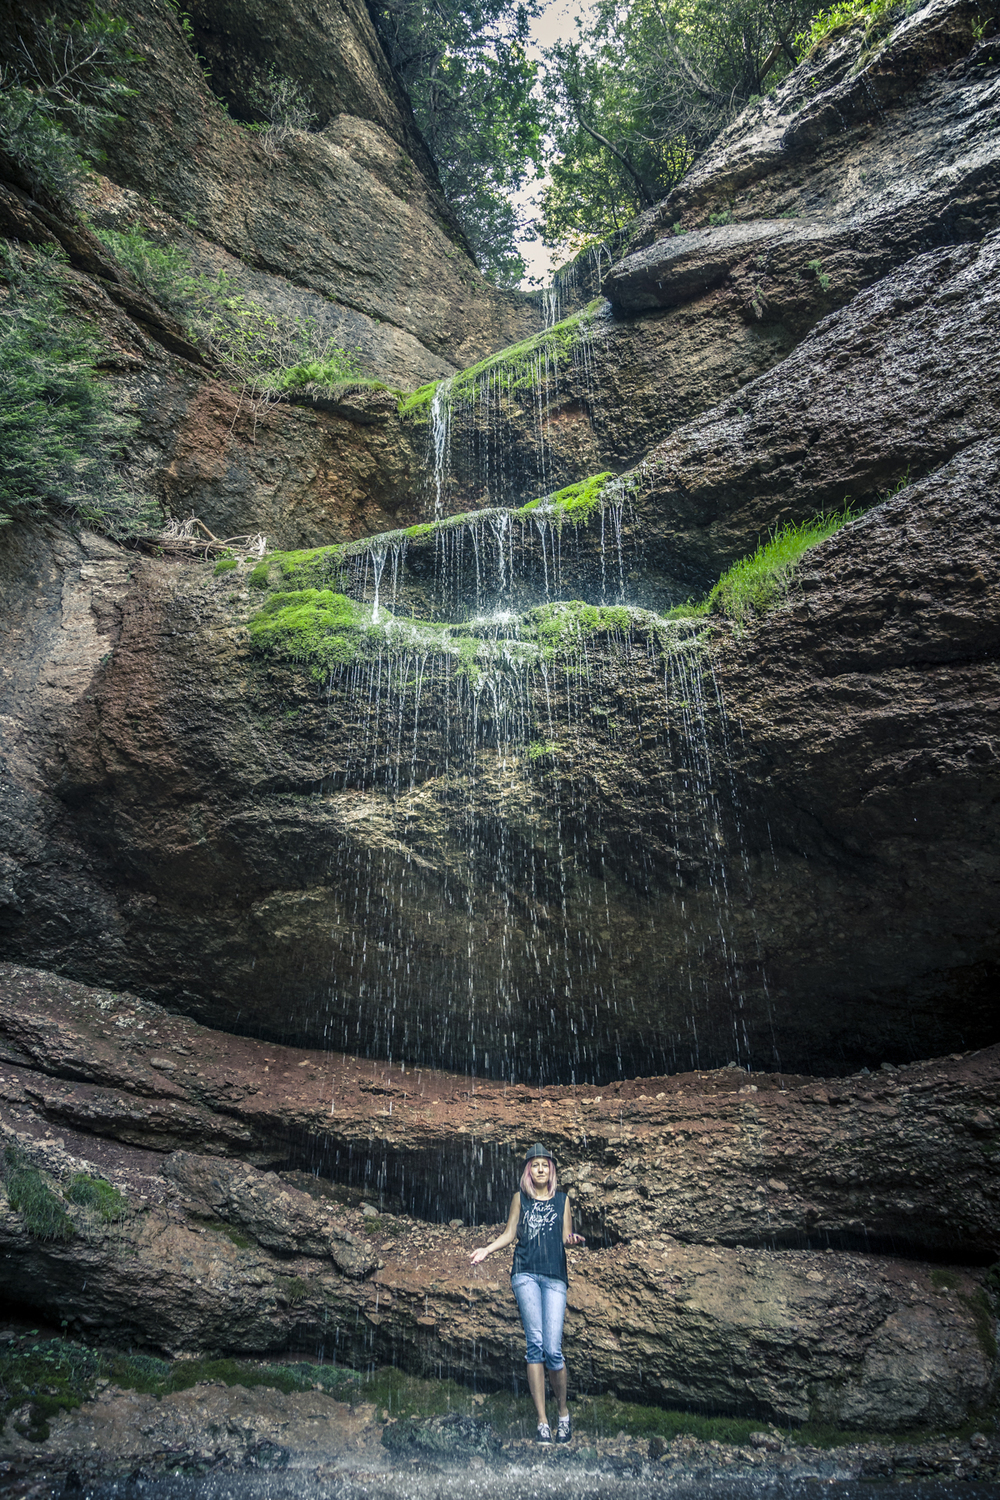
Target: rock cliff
{"x":541,"y":834}
{"x":685,"y":1185}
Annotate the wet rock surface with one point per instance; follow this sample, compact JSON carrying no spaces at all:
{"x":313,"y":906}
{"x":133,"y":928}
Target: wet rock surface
{"x":675,"y":1302}
{"x":192,"y":786}
{"x":904,"y":1157}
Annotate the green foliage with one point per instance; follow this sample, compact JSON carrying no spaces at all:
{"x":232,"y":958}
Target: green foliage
{"x":61,"y":435}
{"x":467,"y":71}
{"x":253,"y":345}
{"x":94,"y":1193}
{"x":760,"y":581}
{"x":224,"y":565}
{"x":43,"y":1377}
{"x":542,"y":750}
{"x":162,"y":269}
{"x":60,"y":91}
{"x":816,"y":267}
{"x":838,"y":17}
{"x":337,"y":374}
{"x":30,"y":1196}
{"x":643,"y":89}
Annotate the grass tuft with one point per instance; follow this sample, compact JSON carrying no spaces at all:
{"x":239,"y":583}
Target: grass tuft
{"x":30,"y":1196}
{"x":757,"y":583}
{"x":93,"y":1192}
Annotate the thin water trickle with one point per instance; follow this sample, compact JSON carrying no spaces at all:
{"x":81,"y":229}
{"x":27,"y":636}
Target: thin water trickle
{"x":440,"y":442}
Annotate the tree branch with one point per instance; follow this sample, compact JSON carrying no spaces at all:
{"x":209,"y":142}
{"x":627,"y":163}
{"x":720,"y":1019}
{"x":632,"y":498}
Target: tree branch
{"x":646,"y":194}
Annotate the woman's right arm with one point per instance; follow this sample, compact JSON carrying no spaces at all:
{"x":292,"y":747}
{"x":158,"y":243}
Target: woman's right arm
{"x":507,"y":1238}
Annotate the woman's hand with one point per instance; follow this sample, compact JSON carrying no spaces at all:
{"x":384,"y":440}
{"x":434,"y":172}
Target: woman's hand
{"x":576,"y":1239}
{"x":479,"y":1255}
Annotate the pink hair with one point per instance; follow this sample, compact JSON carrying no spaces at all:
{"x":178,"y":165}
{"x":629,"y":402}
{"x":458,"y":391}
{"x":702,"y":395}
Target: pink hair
{"x":527,"y":1186}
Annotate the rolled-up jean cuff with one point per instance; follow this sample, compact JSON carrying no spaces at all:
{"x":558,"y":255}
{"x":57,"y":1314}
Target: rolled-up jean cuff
{"x":541,"y":1301}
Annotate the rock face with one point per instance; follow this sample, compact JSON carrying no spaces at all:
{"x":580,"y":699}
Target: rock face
{"x":268,"y":812}
{"x":906,"y":1157}
{"x":352,"y":211}
{"x":556,"y":847}
{"x":859,"y":163}
{"x":216,"y":1254}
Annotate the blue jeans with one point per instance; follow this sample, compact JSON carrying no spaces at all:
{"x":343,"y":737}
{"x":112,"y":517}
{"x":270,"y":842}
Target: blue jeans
{"x":541,"y":1301}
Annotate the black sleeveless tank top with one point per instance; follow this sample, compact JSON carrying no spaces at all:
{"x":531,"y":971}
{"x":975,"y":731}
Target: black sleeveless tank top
{"x":540,"y":1249}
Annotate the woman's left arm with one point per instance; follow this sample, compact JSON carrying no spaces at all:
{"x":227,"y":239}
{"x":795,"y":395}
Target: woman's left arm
{"x":569,"y":1238}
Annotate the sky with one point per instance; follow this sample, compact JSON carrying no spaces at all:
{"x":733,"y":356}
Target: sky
{"x":556,"y":23}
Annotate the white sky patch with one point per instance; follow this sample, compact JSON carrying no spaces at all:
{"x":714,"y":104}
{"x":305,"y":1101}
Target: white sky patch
{"x":557,"y":23}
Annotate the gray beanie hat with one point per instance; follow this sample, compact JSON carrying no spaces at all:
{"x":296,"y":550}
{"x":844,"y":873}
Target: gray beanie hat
{"x":538,"y":1150}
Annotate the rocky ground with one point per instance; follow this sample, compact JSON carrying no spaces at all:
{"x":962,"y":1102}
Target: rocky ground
{"x":232,"y":1430}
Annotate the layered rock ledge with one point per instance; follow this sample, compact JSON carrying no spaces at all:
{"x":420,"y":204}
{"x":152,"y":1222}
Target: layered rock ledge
{"x":685,"y":1186}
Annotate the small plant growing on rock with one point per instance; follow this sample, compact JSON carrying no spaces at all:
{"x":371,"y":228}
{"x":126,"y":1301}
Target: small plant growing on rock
{"x":30,"y":1196}
{"x":94,"y":1193}
{"x":282,"y":104}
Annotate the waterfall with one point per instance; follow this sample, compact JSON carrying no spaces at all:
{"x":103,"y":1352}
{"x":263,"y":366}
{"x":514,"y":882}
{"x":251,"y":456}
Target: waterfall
{"x":539,"y":864}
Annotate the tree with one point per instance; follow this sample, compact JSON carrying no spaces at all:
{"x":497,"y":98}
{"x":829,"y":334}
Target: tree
{"x":465,"y":66}
{"x":645,"y":88}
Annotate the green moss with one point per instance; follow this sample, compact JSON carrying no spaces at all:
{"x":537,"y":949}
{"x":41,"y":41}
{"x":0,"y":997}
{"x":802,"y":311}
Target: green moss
{"x":224,"y":565}
{"x":418,"y":403}
{"x":43,"y":1377}
{"x":311,"y":625}
{"x":30,"y":1196}
{"x":560,"y":628}
{"x":515,"y":366}
{"x":228,"y":1231}
{"x":39,"y":1378}
{"x":943,"y":1280}
{"x":576,"y":503}
{"x":984,"y":1319}
{"x":306,"y":566}
{"x":95,"y":1193}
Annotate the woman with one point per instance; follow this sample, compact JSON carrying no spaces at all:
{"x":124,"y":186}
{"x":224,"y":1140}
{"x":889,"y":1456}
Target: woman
{"x":541,"y":1222}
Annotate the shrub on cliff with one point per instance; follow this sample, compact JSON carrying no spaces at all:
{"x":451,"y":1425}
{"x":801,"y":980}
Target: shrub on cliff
{"x":61,"y":431}
{"x":254,"y":346}
{"x":60,"y":86}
